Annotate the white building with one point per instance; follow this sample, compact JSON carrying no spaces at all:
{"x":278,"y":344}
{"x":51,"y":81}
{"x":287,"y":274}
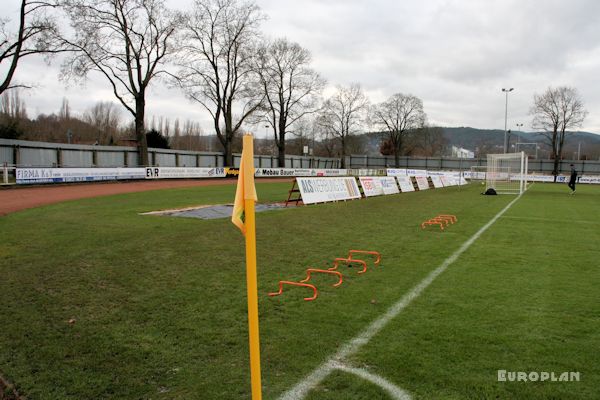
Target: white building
{"x":459,"y":152}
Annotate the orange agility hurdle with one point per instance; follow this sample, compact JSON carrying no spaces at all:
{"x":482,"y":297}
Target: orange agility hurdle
{"x":452,"y":218}
{"x":323,"y":271}
{"x":348,"y":261}
{"x":443,"y":220}
{"x":374,"y":253}
{"x":432,"y":222}
{"x":281,"y":283}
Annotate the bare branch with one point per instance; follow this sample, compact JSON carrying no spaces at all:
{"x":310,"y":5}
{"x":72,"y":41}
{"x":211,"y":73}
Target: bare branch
{"x":554,"y":113}
{"x":216,"y":61}
{"x":127,"y":42}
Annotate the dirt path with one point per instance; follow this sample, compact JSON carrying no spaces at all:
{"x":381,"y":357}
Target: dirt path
{"x":21,"y":198}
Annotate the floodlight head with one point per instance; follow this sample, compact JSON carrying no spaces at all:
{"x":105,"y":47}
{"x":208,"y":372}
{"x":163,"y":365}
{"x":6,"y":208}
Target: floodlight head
{"x":508,"y":90}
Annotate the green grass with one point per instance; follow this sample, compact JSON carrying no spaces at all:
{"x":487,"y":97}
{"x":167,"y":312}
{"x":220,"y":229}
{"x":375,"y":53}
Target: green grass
{"x":160,"y":302}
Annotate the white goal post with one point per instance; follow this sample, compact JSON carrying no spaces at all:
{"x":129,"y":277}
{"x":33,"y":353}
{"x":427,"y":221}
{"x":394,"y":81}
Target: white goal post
{"x":507,"y":173}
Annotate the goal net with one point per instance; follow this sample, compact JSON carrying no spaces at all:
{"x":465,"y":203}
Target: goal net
{"x":478,"y":173}
{"x":506,"y":173}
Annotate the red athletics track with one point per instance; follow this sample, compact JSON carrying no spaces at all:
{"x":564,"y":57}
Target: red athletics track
{"x":20,"y":198}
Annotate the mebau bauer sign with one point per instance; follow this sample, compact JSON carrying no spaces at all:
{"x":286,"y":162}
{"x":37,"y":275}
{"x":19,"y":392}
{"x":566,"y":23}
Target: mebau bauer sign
{"x":320,"y":190}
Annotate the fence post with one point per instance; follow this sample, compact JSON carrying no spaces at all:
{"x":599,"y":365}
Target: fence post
{"x":5,"y":172}
{"x":17,"y":155}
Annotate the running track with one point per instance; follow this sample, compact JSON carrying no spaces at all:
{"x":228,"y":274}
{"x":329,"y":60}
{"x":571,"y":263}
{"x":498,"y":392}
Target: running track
{"x":20,"y":198}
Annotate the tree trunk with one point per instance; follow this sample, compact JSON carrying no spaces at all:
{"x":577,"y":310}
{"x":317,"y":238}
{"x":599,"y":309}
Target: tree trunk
{"x":140,"y":131}
{"x":227,"y":154}
{"x":397,"y":147}
{"x":281,"y":150}
{"x":343,"y":154}
{"x":555,"y":169}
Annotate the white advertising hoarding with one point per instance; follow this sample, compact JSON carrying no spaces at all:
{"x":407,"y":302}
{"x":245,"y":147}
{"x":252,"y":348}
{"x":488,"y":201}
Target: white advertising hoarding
{"x":63,"y":175}
{"x":589,"y":179}
{"x":437,"y":182}
{"x":292,"y":172}
{"x":396,"y":172}
{"x":405,"y":183}
{"x":422,"y":182}
{"x":183,"y":172}
{"x":320,"y":190}
{"x":388,"y":183}
{"x":371,"y":186}
{"x":416,"y":172}
{"x":378,"y":185}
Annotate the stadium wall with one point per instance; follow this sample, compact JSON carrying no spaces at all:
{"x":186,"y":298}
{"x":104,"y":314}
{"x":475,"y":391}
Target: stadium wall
{"x":52,"y":155}
{"x":461,"y":164}
{"x":28,"y":154}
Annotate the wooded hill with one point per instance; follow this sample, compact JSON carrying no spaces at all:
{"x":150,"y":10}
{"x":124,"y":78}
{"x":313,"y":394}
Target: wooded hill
{"x":483,"y":141}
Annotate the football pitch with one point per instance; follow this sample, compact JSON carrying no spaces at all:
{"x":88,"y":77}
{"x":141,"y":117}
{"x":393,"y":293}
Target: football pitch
{"x":100,"y":302}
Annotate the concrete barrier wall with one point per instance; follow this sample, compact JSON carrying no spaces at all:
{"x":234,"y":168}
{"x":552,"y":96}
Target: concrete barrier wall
{"x":433,"y":163}
{"x":42,"y":154}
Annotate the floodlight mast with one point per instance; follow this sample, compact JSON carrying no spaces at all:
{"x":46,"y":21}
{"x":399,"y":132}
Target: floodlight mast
{"x":506,"y":115}
{"x":519,"y":129}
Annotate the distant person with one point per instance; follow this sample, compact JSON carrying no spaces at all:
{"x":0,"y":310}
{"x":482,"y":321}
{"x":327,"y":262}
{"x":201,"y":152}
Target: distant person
{"x":573,"y":179}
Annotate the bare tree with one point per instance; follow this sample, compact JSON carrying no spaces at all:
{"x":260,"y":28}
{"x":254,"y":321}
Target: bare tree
{"x":397,"y":116}
{"x":426,"y":141}
{"x":104,"y":117}
{"x":217,"y":64}
{"x":342,"y":115}
{"x":126,"y":41}
{"x":304,"y":134}
{"x":290,"y":87}
{"x":13,"y":115}
{"x":37,"y":33}
{"x":12,"y":106}
{"x":64,"y":113}
{"x":555,"y":111}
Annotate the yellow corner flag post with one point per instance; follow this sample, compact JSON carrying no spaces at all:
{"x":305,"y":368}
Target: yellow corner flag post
{"x":243,"y":218}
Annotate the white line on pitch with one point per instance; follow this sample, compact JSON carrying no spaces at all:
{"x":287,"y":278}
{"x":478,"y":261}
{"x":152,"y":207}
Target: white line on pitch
{"x":394,"y":391}
{"x":353,"y":345}
{"x":567,"y":221}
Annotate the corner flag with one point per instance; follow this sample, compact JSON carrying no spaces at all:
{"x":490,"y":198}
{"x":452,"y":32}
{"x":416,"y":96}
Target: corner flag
{"x":245,"y":186}
{"x":243,"y":218}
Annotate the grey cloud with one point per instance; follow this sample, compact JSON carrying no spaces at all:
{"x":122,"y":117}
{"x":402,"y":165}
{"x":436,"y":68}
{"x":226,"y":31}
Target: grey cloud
{"x":454,"y":54}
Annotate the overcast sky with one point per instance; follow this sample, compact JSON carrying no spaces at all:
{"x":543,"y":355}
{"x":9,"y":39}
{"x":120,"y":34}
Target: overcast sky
{"x":455,"y":55}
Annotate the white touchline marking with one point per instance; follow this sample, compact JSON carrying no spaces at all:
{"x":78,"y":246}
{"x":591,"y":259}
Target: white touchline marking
{"x":349,"y":348}
{"x":574,"y":221}
{"x":394,"y":391}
